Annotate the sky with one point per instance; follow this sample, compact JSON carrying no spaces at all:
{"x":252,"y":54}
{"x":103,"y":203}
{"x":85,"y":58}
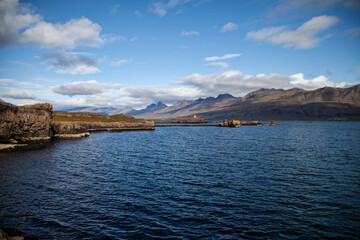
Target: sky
{"x":124,"y":53}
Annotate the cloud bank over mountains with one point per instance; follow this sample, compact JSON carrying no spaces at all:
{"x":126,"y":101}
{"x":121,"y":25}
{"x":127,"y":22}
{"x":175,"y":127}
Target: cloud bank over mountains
{"x":196,"y":86}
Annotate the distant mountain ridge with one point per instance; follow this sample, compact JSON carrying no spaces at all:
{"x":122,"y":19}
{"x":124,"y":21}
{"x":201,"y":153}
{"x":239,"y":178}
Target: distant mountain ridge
{"x":149,"y":109}
{"x":266,"y":104}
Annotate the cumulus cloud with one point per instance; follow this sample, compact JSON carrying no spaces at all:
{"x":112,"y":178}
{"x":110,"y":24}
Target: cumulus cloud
{"x":239,"y":84}
{"x":303,"y":37}
{"x":72,"y":63}
{"x":226,"y":56}
{"x":13,"y":18}
{"x":18,"y":94}
{"x":221,"y":64}
{"x":230,"y":26}
{"x":74,"y":33}
{"x":189,"y":33}
{"x":18,"y":24}
{"x":90,"y":87}
{"x":164,"y":94}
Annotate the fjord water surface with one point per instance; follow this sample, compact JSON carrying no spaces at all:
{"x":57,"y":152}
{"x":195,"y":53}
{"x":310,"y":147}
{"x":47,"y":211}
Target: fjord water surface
{"x":297,"y":180}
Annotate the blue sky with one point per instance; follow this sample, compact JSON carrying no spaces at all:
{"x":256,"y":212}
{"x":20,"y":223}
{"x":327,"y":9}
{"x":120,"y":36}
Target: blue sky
{"x":133,"y":53}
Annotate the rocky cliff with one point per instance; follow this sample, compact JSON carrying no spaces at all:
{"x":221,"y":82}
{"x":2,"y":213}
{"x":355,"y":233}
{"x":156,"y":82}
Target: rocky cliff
{"x":35,"y":123}
{"x":25,"y":123}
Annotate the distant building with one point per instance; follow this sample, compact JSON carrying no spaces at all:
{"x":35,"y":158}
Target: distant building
{"x":195,"y":116}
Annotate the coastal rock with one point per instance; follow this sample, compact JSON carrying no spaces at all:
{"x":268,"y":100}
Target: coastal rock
{"x":16,"y":238}
{"x":32,"y":126}
{"x":25,"y":123}
{"x":71,"y":136}
{"x":76,"y":128}
{"x":67,"y":128}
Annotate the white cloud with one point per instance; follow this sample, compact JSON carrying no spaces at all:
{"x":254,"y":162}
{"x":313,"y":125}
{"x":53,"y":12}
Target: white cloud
{"x":303,"y":37}
{"x":74,"y":33}
{"x":298,"y":80}
{"x":239,"y":84}
{"x":90,"y":87}
{"x":20,"y":25}
{"x":121,"y":62}
{"x":72,"y":63}
{"x":161,"y":9}
{"x":13,"y":17}
{"x":190,"y":33}
{"x":230,"y":26}
{"x":221,"y":64}
{"x":164,"y":94}
{"x":226,"y":56}
{"x":18,"y":94}
{"x":79,"y":69}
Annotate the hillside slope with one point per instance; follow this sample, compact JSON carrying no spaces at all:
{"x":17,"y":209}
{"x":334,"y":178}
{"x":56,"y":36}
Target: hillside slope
{"x":293,"y":104}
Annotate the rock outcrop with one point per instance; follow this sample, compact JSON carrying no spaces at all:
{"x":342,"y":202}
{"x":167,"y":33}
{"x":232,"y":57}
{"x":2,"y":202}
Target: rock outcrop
{"x":237,"y":123}
{"x":82,"y":129}
{"x":22,"y":126}
{"x":25,"y":123}
{"x":10,"y":234}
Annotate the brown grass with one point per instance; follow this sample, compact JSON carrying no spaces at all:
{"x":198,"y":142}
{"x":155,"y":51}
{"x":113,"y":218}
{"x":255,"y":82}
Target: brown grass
{"x":61,"y":116}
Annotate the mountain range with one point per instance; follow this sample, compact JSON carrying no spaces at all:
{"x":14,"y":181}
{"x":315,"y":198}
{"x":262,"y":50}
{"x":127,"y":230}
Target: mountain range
{"x":265,"y":104}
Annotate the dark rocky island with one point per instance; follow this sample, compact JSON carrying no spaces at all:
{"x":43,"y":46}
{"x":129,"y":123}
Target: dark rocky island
{"x":32,"y":126}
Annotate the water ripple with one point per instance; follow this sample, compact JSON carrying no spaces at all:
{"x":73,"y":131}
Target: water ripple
{"x":293,"y":181}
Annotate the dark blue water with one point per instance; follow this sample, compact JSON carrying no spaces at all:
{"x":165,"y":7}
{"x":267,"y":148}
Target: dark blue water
{"x":294,"y":181}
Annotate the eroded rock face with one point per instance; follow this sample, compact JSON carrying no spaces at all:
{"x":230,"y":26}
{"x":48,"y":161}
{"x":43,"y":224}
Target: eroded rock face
{"x":25,"y":123}
{"x":31,"y":123}
{"x":82,"y":127}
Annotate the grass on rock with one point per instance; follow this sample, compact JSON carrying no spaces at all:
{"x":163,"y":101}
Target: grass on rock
{"x":61,"y":116}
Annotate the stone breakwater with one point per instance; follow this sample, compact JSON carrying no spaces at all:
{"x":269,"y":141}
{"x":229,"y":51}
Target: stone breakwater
{"x":22,"y":126}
